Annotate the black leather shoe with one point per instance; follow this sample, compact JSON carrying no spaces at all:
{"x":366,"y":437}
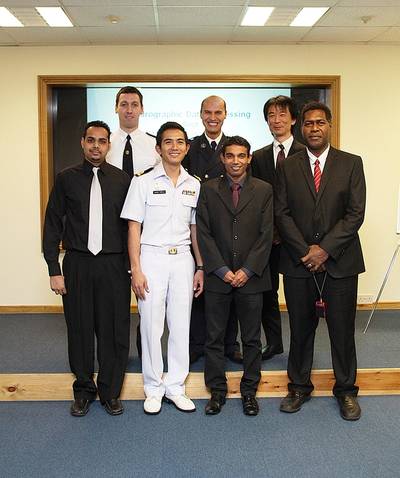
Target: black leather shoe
{"x":235,"y":356}
{"x":250,"y":405}
{"x":293,"y":401}
{"x":215,"y":404}
{"x":80,"y":407}
{"x":195,"y":355}
{"x":349,"y":407}
{"x":270,"y":350}
{"x":113,"y":406}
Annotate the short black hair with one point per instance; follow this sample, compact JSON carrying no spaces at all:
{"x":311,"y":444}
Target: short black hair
{"x":316,"y":105}
{"x":129,"y":90}
{"x":96,"y":124}
{"x":170,"y":125}
{"x":283,"y":102}
{"x":235,"y":140}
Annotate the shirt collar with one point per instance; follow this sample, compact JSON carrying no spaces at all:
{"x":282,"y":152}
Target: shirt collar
{"x":159,"y":172}
{"x":123,"y":134}
{"x":88,"y":167}
{"x":322,"y":157}
{"x":217,"y":140}
{"x":287,"y":144}
{"x":230,"y":180}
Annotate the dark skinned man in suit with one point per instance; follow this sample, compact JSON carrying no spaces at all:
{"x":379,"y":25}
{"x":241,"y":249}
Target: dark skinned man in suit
{"x":280,"y":113}
{"x":319,"y":208}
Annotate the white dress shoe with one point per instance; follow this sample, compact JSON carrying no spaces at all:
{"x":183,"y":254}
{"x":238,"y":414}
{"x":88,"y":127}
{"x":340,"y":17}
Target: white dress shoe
{"x":152,"y":405}
{"x":181,"y":402}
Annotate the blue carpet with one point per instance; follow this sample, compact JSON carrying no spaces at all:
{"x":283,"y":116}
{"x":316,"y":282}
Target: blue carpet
{"x":37,"y":343}
{"x":41,"y":439}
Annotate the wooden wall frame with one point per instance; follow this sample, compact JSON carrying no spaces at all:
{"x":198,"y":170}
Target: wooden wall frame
{"x":47,"y":83}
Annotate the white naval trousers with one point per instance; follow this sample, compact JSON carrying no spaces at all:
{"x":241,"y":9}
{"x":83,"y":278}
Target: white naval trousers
{"x":170,"y":296}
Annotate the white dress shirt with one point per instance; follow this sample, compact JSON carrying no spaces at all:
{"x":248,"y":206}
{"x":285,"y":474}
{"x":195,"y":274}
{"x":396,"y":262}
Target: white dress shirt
{"x":166,"y":211}
{"x":321,"y":159}
{"x":143,"y":150}
{"x":287,"y":144}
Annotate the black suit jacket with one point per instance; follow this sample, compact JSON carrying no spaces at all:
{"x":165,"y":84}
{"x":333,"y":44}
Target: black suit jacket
{"x":330,"y":218}
{"x":202,"y":161}
{"x":235,"y":238}
{"x":263,"y":164}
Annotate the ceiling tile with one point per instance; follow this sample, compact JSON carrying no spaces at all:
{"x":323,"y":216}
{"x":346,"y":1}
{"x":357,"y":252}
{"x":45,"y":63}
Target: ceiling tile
{"x":29,"y":17}
{"x":29,"y":3}
{"x":351,"y":16}
{"x":343,"y":34}
{"x":47,"y":36}
{"x":390,"y":35}
{"x":199,"y":16}
{"x":292,"y":3}
{"x":282,"y":17}
{"x":5,"y":38}
{"x":94,"y":17}
{"x":198,"y":35}
{"x":120,"y":35}
{"x":269,"y":34}
{"x":369,"y":3}
{"x":200,"y":3}
{"x":107,"y":3}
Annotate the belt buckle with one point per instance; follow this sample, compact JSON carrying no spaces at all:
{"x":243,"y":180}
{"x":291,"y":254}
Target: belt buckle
{"x":172,"y":251}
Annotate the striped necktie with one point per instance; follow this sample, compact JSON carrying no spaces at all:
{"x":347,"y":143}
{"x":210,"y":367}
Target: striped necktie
{"x":317,"y":175}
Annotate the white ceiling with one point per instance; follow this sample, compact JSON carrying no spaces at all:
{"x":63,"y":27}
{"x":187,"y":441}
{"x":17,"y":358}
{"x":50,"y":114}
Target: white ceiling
{"x":202,"y":21}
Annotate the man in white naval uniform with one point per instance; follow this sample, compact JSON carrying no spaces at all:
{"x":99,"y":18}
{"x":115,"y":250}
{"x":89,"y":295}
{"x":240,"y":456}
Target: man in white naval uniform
{"x":160,"y":207}
{"x":136,"y":153}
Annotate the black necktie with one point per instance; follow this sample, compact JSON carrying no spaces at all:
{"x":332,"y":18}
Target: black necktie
{"x":127,"y":161}
{"x":213,"y":145}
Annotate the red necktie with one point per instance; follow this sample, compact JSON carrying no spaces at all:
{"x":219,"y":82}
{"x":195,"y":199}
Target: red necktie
{"x":235,"y":193}
{"x":317,"y":175}
{"x":281,"y":154}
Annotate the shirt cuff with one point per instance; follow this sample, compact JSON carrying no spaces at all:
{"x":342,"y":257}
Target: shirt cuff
{"x":221,"y":272}
{"x":54,"y":268}
{"x":248,"y":272}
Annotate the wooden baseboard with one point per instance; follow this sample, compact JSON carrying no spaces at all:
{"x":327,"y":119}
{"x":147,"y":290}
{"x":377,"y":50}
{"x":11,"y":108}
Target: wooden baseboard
{"x":57,"y":309}
{"x":58,"y":386}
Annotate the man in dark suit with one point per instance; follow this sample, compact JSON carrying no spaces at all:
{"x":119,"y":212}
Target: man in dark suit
{"x":235,"y":223}
{"x":319,"y":208}
{"x":203,"y":161}
{"x":280,"y":112}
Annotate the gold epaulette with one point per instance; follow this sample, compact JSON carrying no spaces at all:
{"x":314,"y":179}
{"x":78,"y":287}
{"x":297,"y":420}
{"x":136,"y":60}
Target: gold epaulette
{"x":144,"y":172}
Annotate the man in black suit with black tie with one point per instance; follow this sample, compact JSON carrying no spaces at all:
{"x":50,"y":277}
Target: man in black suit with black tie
{"x":235,"y":224}
{"x":319,"y":208}
{"x":280,"y":113}
{"x":203,"y":161}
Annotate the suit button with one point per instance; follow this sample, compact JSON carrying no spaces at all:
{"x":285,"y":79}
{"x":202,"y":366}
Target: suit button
{"x":206,"y":176}
{"x":317,"y":235}
{"x":235,"y":237}
{"x":234,"y":220}
{"x":234,"y":254}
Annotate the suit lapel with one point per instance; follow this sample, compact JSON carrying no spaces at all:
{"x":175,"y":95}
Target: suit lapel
{"x":327,"y":173}
{"x":225,"y":194}
{"x":306,"y":170}
{"x":246,"y":195}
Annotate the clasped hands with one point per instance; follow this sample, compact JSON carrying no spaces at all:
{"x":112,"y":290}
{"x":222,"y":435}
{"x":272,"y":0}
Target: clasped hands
{"x":315,"y":259}
{"x":236,"y":279}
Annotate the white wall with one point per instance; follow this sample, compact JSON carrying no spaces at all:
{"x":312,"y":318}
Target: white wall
{"x":370,"y":102}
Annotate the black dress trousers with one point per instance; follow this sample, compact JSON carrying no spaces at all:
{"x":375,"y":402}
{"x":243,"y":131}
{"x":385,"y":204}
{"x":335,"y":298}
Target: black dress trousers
{"x":97,"y":303}
{"x":340,"y":296}
{"x":248,"y":308}
{"x":271,"y":315}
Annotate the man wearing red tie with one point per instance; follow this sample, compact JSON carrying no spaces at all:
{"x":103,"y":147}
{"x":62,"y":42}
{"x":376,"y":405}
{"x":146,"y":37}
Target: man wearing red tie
{"x":319,"y":208}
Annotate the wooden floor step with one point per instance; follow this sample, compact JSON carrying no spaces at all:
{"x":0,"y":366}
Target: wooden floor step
{"x":58,"y":386}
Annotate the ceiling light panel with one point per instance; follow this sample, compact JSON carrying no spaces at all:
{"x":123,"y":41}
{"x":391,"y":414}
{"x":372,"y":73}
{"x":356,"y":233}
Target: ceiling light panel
{"x":54,"y":16}
{"x":256,"y":16}
{"x":7,"y":19}
{"x":307,"y":17}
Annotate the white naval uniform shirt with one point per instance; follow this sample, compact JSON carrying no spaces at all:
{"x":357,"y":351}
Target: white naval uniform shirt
{"x":166,"y":211}
{"x":144,"y":153}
